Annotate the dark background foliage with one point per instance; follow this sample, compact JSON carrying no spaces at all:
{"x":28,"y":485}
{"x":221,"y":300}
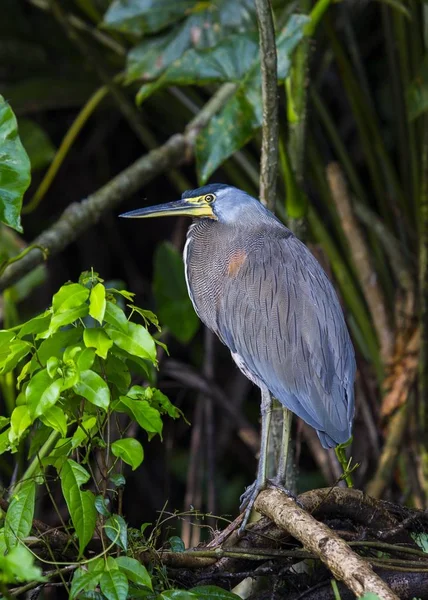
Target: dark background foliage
{"x":358,"y":72}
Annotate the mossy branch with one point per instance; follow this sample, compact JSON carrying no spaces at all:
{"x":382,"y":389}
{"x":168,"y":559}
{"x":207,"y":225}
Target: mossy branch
{"x":270,"y":128}
{"x":79,"y":216}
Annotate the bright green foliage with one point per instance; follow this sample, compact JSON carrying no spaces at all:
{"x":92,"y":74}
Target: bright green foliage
{"x":116,"y":530}
{"x":129,"y":450}
{"x":135,"y":571}
{"x":73,"y":373}
{"x":234,"y":58}
{"x":80,"y":504}
{"x":14,"y":168}
{"x":19,"y":517}
{"x":18,"y":565}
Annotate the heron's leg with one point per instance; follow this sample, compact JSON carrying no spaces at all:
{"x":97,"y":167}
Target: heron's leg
{"x":249,"y":496}
{"x":281,"y":475}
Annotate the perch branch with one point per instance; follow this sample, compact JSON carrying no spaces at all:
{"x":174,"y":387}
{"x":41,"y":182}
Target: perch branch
{"x":316,"y":537}
{"x":79,"y":216}
{"x":270,"y":128}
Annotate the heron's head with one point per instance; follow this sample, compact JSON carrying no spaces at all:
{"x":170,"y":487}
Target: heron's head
{"x":216,"y":201}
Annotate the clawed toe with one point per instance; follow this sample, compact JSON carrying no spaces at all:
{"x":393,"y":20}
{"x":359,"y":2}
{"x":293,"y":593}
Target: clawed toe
{"x":252,"y":491}
{"x":274,"y":483}
{"x":247,"y":501}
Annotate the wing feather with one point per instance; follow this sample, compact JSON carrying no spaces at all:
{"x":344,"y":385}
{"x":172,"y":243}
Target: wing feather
{"x":286,"y":324}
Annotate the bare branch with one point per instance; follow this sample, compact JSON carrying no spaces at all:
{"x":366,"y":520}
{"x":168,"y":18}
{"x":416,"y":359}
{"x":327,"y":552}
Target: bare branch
{"x":270,"y":131}
{"x":316,"y":537}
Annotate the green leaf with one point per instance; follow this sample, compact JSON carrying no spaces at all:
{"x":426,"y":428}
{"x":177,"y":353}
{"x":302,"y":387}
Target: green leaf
{"x":137,"y":341}
{"x":4,"y":421}
{"x":422,"y":540}
{"x":134,"y":571}
{"x":56,"y":343}
{"x":231,"y":60}
{"x":117,"y":531}
{"x":213,"y":592}
{"x":124,"y":293}
{"x":241,"y":116}
{"x":70,"y":295}
{"x":237,"y":121}
{"x":35,"y":325}
{"x":20,"y":421}
{"x":37,"y":144}
{"x":70,"y":374}
{"x":4,"y":441}
{"x":205,"y":26}
{"x":42,"y":393}
{"x":97,"y":338}
{"x":117,"y":373}
{"x":20,"y":514}
{"x":84,"y":581}
{"x":86,"y":358}
{"x":39,"y":436}
{"x":81,"y":434}
{"x":176,"y":543}
{"x":101,"y":506}
{"x":92,"y":387}
{"x":163,"y":404}
{"x":177,"y":595}
{"x":144,"y":16}
{"x":6,"y":336}
{"x":173,"y":304}
{"x":147,"y":417}
{"x":148,"y":316}
{"x":18,"y":565}
{"x":80,"y":504}
{"x":118,"y":479}
{"x":129,"y":450}
{"x":114,"y":584}
{"x":52,"y":366}
{"x":56,"y":419}
{"x":14,"y":169}
{"x":97,"y":302}
{"x":12,"y":354}
{"x":417,"y":94}
{"x":116,"y":317}
{"x":67,"y":317}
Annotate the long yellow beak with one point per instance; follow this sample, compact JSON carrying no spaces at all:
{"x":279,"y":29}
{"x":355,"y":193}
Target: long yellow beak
{"x":190,"y":207}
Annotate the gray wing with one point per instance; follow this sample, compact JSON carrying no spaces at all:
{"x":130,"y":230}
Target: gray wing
{"x":281,"y":315}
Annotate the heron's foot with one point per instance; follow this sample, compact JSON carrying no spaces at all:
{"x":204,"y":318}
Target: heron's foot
{"x":275,"y":482}
{"x":247,"y":500}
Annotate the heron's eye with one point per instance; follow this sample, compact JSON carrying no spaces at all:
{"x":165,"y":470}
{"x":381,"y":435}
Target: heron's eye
{"x":209,"y":198}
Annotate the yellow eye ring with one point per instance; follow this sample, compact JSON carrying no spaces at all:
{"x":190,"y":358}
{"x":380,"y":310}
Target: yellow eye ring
{"x":209,"y":198}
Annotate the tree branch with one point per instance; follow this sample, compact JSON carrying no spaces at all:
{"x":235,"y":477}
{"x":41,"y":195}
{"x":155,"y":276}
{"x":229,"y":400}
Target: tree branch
{"x":316,"y":537}
{"x":79,"y":216}
{"x":270,"y":130}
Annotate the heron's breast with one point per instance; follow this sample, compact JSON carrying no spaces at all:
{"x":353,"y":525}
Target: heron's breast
{"x":212,"y":258}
